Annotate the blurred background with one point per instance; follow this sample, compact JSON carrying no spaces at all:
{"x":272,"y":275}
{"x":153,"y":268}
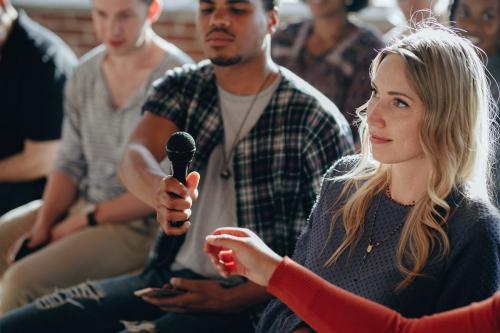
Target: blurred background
{"x":70,"y":19}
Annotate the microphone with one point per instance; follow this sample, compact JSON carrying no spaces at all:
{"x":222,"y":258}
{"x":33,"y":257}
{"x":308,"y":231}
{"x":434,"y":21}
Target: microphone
{"x":180,"y":152}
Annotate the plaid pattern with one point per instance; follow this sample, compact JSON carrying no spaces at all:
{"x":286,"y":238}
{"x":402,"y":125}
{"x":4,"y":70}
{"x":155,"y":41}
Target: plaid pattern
{"x":279,"y":165}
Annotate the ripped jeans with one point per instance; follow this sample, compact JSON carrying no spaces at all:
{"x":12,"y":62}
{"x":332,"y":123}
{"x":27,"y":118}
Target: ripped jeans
{"x":110,"y":306}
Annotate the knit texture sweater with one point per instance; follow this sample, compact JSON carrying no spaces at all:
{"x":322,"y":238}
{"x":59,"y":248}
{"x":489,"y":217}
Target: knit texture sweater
{"x":469,"y":272}
{"x":329,"y":309}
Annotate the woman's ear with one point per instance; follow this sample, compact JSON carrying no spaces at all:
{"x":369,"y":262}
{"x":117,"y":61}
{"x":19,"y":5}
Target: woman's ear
{"x":154,"y":11}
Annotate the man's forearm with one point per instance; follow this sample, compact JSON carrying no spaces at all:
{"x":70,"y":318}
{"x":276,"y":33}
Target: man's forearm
{"x":141,"y":173}
{"x":34,"y":162}
{"x":59,"y":194}
{"x":140,"y":169}
{"x":122,"y":209}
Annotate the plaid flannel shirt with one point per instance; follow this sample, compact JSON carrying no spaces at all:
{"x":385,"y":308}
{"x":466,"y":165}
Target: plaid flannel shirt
{"x":278,"y":165}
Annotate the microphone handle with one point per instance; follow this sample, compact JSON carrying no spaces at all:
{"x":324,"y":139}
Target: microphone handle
{"x":179,"y":172}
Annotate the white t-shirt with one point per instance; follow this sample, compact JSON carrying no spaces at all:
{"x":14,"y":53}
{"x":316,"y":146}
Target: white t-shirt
{"x":216,"y":204}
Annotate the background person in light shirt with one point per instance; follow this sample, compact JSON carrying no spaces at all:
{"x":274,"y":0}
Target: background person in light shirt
{"x":92,"y":226}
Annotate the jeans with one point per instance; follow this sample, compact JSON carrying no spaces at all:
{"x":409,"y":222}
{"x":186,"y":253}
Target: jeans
{"x":110,"y":306}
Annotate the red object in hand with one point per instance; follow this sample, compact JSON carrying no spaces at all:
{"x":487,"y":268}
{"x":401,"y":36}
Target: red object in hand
{"x":230,"y":266}
{"x":227,"y":258}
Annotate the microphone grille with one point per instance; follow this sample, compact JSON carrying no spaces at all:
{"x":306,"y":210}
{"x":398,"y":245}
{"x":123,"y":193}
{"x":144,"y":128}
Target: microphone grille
{"x":181,"y":142}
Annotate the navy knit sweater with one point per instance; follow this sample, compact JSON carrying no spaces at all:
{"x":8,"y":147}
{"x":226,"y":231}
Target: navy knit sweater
{"x":470,"y":272}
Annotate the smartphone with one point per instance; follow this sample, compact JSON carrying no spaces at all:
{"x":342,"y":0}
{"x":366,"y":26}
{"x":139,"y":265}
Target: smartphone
{"x":23,"y":250}
{"x":158,"y":292}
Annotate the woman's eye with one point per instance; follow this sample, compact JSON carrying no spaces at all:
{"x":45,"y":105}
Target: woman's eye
{"x":400,"y":103}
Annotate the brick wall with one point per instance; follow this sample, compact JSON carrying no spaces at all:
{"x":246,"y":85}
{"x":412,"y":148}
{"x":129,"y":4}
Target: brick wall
{"x":75,"y":27}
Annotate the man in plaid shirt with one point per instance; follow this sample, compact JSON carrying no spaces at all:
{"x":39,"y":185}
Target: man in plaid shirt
{"x":264,"y":139}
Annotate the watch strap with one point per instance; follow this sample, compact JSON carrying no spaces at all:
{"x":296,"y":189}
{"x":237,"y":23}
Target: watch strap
{"x":91,"y":220}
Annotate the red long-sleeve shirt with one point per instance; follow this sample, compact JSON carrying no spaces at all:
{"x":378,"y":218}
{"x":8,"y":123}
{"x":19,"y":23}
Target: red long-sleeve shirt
{"x":327,"y":308}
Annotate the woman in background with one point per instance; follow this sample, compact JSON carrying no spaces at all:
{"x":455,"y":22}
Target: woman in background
{"x":331,"y":52}
{"x":415,"y":11}
{"x":479,"y":21}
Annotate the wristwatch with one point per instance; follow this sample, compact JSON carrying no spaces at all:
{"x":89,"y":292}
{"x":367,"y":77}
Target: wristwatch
{"x":91,"y":220}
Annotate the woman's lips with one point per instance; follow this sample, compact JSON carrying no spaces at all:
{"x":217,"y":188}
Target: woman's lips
{"x":378,"y":139}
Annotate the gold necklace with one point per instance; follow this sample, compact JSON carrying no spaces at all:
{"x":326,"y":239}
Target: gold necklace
{"x":372,"y":243}
{"x":388,"y":194}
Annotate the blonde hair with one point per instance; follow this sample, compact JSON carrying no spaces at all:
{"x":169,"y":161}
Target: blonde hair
{"x":449,"y":77}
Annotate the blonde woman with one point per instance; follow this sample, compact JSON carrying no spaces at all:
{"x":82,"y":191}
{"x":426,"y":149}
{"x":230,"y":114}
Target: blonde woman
{"x":408,"y":223}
